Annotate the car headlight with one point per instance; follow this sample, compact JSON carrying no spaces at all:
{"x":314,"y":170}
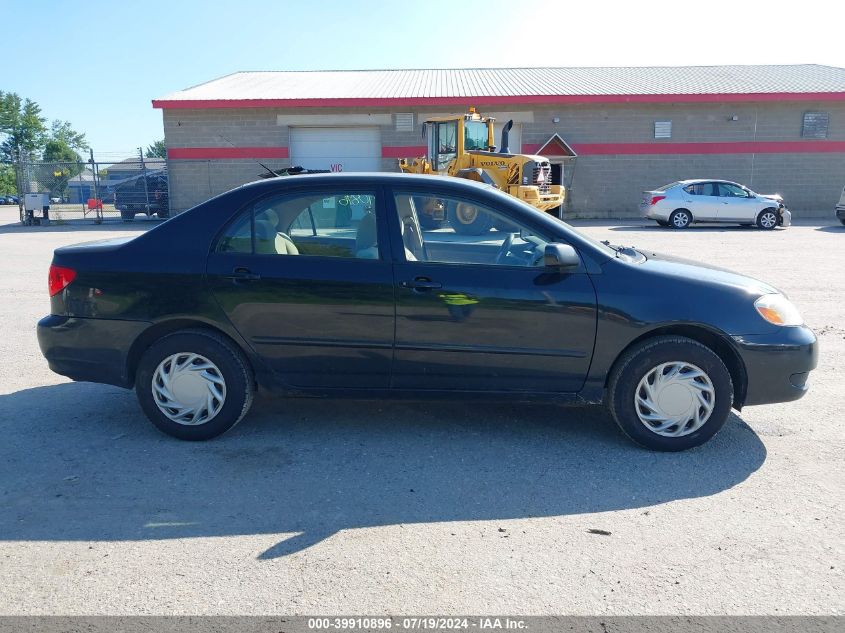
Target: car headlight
{"x":777,"y":309}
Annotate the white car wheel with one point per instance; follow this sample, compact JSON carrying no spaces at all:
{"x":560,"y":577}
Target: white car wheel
{"x":680,"y":219}
{"x":767,"y":219}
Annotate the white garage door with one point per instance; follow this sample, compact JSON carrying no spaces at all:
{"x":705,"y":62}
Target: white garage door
{"x":336,"y":148}
{"x":514,"y":137}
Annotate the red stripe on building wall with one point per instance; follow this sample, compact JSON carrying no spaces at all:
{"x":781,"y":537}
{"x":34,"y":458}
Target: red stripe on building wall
{"x":582,"y":149}
{"x":226,"y":152}
{"x":403,"y":151}
{"x":741,"y":147}
{"x":172,"y":104}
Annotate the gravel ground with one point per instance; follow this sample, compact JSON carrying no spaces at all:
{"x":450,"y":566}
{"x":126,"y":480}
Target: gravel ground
{"x":377,"y":507}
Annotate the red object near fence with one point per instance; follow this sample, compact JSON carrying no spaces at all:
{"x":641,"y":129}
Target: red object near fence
{"x":95,"y":203}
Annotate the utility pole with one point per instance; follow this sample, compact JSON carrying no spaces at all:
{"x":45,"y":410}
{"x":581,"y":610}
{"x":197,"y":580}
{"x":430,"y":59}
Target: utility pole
{"x":98,"y":211}
{"x":146,"y":187}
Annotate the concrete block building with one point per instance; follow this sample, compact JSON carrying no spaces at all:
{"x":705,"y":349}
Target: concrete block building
{"x":776,"y":129}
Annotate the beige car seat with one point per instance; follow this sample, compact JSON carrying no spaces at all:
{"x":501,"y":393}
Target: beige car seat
{"x":268,"y":239}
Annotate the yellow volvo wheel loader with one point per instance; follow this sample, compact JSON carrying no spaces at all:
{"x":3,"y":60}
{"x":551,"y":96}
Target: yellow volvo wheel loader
{"x":464,"y":146}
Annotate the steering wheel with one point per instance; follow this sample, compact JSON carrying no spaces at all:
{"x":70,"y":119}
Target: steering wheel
{"x":506,"y":249}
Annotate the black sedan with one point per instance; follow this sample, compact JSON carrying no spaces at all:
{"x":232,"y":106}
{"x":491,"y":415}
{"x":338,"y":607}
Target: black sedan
{"x":326,"y":285}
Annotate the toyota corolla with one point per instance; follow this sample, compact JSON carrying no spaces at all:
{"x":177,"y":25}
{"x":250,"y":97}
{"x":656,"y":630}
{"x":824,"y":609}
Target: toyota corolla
{"x":326,"y":285}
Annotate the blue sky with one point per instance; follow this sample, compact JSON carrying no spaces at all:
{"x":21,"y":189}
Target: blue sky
{"x":99,"y":64}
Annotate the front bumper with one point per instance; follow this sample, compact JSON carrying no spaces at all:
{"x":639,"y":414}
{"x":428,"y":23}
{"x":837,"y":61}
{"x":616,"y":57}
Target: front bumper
{"x":777,"y":365}
{"x":92,"y":350}
{"x":785,"y":217}
{"x":840,"y":212}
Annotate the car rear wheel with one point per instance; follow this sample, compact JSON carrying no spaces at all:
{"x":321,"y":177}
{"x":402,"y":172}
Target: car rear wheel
{"x":680,"y":219}
{"x":767,"y":219}
{"x":194,"y":384}
{"x":670,"y":393}
{"x":842,"y":220}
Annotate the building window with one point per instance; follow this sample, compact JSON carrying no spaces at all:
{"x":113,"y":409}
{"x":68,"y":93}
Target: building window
{"x":815,"y":125}
{"x":662,"y":129}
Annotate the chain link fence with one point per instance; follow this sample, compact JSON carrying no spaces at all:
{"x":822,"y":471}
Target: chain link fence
{"x":99,"y":191}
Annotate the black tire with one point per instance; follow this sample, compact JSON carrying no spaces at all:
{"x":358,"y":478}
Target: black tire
{"x":768,"y":219}
{"x":637,"y":362}
{"x":163,"y":215}
{"x":663,"y":223}
{"x":126,"y":215}
{"x":467,"y":223}
{"x":842,"y":220}
{"x":233,"y":367}
{"x":680,"y":219}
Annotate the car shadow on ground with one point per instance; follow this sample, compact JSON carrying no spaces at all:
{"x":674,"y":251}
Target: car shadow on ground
{"x":80,"y":462}
{"x":696,"y":228}
{"x":833,"y":228}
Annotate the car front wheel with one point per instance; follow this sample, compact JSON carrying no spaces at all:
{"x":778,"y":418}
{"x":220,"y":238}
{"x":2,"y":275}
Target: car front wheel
{"x":680,"y":219}
{"x":767,"y":219}
{"x":670,"y":393}
{"x":194,"y":384}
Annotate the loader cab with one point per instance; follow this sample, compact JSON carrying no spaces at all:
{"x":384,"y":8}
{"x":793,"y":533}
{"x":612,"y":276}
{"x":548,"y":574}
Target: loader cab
{"x":450,"y":137}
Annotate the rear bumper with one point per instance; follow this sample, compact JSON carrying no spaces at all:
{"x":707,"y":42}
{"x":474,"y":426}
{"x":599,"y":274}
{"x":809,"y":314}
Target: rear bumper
{"x":778,"y":365}
{"x":653,"y":213}
{"x":840,"y":212}
{"x":91,"y":350}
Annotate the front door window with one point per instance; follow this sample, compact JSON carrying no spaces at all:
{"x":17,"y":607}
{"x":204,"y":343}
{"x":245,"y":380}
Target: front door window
{"x":472,"y":234}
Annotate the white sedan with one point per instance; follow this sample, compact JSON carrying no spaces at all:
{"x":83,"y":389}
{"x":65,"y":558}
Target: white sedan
{"x":682,"y":203}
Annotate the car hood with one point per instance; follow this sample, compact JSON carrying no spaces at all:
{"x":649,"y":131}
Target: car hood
{"x":698,"y":272}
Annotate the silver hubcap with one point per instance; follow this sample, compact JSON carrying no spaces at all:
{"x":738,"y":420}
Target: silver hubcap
{"x":188,"y":388}
{"x":681,"y":220}
{"x":768,"y":220}
{"x":674,"y":399}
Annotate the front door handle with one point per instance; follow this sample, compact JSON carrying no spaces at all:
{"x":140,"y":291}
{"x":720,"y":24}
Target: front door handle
{"x":421,"y":283}
{"x":242,"y":274}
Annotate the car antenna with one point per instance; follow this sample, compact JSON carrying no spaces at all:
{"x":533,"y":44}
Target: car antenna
{"x":271,"y":173}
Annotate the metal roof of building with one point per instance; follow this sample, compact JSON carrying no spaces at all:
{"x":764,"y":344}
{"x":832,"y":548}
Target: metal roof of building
{"x":507,"y":85}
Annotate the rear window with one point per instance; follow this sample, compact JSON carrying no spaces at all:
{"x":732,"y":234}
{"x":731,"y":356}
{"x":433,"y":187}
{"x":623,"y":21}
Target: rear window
{"x":669,"y":186}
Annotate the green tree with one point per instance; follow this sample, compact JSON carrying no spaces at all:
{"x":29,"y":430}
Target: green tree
{"x":8,"y":182}
{"x":61,"y":163}
{"x":156,"y":150}
{"x":62,"y":131}
{"x":23,"y":126}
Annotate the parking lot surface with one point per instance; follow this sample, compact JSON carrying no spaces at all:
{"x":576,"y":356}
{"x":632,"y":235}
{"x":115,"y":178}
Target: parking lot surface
{"x":310,"y":506}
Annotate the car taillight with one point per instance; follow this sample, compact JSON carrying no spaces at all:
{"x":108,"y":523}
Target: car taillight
{"x":656,"y":199}
{"x":60,"y":278}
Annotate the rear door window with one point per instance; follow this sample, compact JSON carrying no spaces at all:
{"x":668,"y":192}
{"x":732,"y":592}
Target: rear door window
{"x":321,"y":224}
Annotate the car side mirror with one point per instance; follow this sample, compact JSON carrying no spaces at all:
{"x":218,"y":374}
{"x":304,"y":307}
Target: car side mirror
{"x":560,"y":256}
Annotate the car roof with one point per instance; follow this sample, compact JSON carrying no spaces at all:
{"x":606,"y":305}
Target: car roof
{"x":698,"y":180}
{"x":376,"y":177}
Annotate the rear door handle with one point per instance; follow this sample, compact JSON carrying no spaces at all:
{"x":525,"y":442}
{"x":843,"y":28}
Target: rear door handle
{"x":242,"y":274}
{"x":421,"y":283}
